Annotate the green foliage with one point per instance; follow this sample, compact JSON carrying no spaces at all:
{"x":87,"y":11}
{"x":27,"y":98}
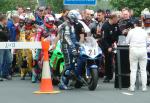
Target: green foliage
{"x":136,"y":5}
{"x":56,"y":5}
{"x":101,"y":4}
{"x":6,"y":5}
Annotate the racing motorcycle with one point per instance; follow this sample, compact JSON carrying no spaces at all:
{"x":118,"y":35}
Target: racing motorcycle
{"x":56,"y":63}
{"x":91,"y":54}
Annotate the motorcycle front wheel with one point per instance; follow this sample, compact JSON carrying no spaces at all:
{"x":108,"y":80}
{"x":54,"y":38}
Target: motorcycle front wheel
{"x":94,"y":80}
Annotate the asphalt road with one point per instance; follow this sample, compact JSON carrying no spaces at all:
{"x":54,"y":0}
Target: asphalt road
{"x":17,"y":91}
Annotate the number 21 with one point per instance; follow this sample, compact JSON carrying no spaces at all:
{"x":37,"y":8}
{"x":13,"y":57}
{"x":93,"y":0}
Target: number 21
{"x":90,"y":52}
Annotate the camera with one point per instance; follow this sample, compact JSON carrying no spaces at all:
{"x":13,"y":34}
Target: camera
{"x":126,"y":25}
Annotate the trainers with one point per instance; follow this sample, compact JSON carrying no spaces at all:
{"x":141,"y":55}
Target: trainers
{"x":1,"y":79}
{"x":131,"y":89}
{"x":7,"y":77}
{"x":106,"y":80}
{"x":64,"y":87}
{"x":34,"y":79}
{"x":144,"y":89}
{"x":23,"y":78}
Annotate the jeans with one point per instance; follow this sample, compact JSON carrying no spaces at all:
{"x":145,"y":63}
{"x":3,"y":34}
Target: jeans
{"x":2,"y":51}
{"x":80,"y":65}
{"x":5,"y":62}
{"x":69,"y":59}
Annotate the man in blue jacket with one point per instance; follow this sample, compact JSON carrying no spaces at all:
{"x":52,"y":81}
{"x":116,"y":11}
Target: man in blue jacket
{"x":39,"y":16}
{"x":11,"y":25}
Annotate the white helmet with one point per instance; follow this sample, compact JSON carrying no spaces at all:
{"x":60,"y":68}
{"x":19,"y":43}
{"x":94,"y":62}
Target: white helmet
{"x":22,"y":17}
{"x":145,"y":11}
{"x":74,"y":15}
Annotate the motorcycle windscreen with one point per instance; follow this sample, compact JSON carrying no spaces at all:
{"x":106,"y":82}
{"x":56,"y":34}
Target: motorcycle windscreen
{"x":91,"y":48}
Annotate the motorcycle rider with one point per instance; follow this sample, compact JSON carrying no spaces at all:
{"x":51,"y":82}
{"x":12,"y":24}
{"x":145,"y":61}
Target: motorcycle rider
{"x":71,"y":31}
{"x":47,"y":31}
{"x":27,"y":32}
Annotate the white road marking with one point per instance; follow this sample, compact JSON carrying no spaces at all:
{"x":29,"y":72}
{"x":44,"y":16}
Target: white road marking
{"x":126,"y":93}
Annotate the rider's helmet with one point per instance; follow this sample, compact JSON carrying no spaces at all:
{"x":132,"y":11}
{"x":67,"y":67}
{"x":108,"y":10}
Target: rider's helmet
{"x":74,"y":16}
{"x":29,"y":22}
{"x":145,"y":15}
{"x":29,"y":26}
{"x":49,"y":21}
{"x":29,"y":19}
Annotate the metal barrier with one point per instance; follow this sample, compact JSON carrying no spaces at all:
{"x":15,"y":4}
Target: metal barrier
{"x":20,"y":45}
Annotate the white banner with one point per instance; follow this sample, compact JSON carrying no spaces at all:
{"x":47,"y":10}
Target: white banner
{"x":20,"y":45}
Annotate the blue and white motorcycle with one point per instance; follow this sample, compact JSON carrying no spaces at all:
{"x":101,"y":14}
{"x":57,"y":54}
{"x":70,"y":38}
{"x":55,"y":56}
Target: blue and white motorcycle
{"x":90,"y":55}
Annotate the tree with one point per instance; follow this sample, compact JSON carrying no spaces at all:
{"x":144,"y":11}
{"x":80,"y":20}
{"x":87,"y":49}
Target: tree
{"x":6,"y":5}
{"x":56,"y":5}
{"x":101,"y":4}
{"x":136,"y":5}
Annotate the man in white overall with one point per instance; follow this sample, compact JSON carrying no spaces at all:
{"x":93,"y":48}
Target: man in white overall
{"x":137,"y":39}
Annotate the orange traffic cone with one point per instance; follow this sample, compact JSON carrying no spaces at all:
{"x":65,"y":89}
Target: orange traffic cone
{"x":46,"y":86}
